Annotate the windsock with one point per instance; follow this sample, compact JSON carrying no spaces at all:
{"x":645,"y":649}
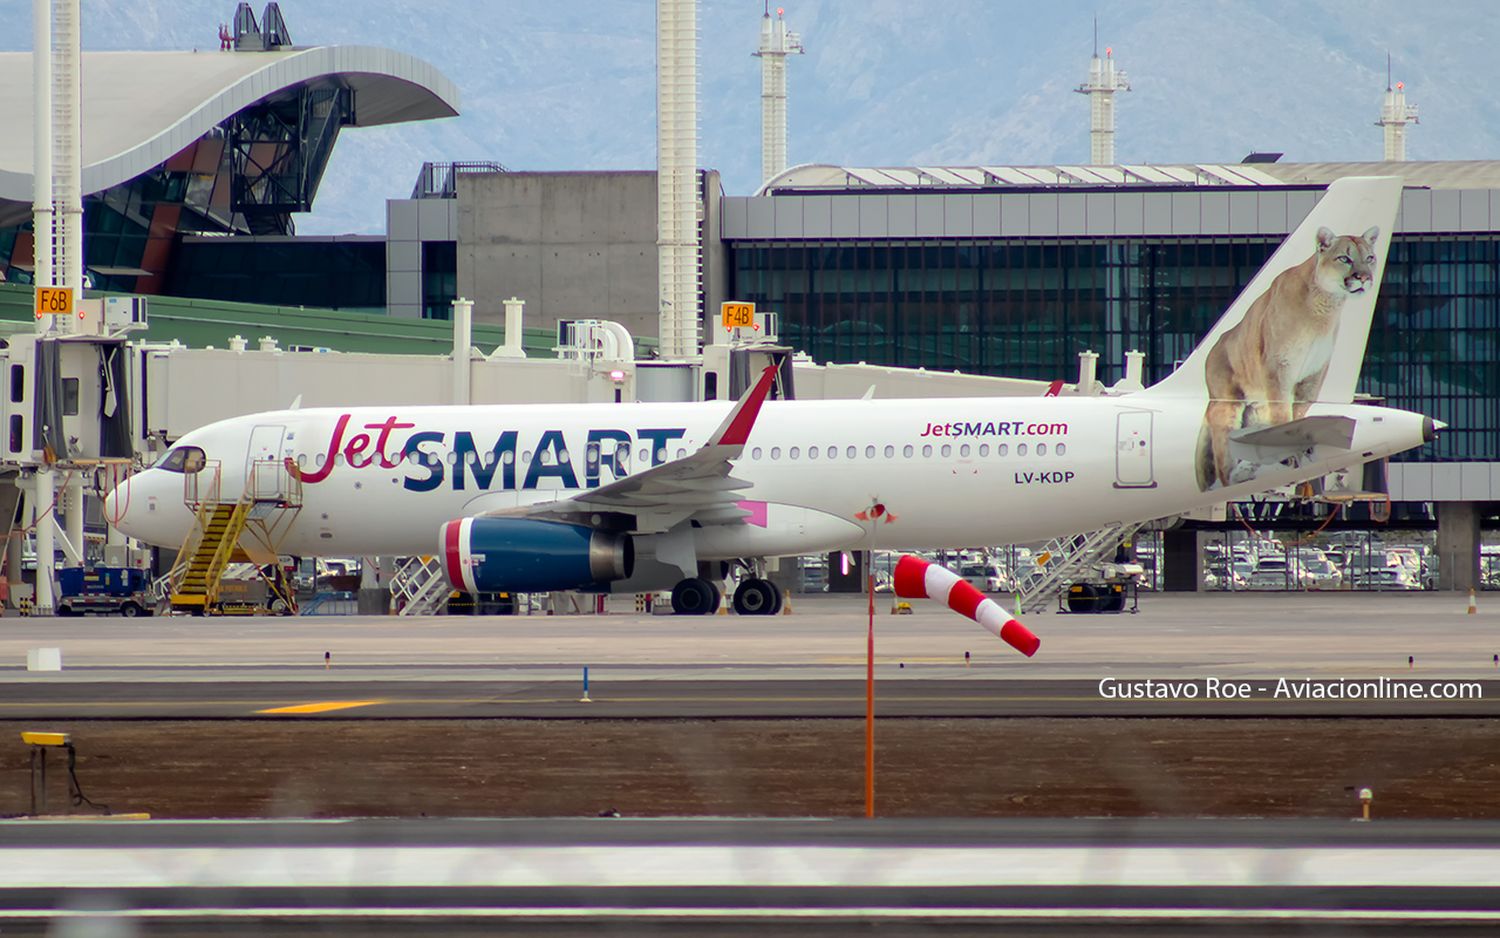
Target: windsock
{"x":922,"y":579}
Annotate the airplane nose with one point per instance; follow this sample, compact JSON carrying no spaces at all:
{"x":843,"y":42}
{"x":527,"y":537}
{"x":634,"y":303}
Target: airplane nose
{"x":116,"y":508}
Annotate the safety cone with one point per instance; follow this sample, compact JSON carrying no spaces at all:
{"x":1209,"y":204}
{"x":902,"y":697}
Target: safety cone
{"x":1473,"y":604}
{"x":786,"y":602}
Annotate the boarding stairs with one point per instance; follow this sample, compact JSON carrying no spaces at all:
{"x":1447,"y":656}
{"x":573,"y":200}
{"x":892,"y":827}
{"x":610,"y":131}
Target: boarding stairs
{"x":1069,"y":558}
{"x":420,"y":587}
{"x":218,"y":532}
{"x":243,"y":530}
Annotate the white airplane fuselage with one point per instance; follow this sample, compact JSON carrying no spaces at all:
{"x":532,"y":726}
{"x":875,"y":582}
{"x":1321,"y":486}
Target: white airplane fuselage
{"x":949,"y":472}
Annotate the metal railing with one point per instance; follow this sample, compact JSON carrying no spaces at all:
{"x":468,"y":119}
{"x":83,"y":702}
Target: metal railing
{"x":440,"y":180}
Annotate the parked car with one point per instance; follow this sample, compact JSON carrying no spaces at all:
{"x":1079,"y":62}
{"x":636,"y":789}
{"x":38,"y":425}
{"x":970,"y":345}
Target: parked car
{"x":1322,"y":575}
{"x":1385,"y":578}
{"x":1278,"y":573}
{"x":987,"y":577}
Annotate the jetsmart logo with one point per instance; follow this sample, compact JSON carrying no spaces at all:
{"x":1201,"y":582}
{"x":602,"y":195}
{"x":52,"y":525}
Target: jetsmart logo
{"x":429,"y":459}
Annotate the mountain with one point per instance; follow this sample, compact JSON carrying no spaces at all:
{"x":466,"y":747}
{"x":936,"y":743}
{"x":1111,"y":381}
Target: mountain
{"x":884,"y":82}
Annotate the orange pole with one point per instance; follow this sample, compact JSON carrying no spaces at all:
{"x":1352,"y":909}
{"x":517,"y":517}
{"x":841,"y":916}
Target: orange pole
{"x":870,"y":692}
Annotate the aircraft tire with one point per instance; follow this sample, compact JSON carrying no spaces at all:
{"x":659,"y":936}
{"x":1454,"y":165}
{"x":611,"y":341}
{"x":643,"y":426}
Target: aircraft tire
{"x":757,"y":598}
{"x":693,"y":597}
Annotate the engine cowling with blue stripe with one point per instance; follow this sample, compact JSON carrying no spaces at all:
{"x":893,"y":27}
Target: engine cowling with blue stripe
{"x":523,"y":555}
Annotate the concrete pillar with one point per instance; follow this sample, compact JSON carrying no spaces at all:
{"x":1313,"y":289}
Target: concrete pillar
{"x":43,"y":510}
{"x":73,"y":517}
{"x":1183,"y":572}
{"x":1458,"y":546}
{"x":374,"y":589}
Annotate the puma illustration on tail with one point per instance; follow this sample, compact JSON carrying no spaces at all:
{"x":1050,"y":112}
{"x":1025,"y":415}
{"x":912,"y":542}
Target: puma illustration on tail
{"x":1296,"y":336}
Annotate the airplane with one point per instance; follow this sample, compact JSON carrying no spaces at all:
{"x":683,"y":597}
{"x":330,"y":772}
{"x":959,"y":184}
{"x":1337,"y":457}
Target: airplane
{"x":630,"y":497}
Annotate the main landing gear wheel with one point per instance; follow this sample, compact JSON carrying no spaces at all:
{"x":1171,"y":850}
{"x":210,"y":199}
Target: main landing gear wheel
{"x":757,"y":597}
{"x":694,"y":597}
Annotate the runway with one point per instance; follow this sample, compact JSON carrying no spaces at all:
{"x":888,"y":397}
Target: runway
{"x":773,"y":877}
{"x":1221,"y":655}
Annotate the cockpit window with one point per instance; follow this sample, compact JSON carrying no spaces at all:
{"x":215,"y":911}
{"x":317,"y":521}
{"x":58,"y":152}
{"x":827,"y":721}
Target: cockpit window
{"x":187,"y":459}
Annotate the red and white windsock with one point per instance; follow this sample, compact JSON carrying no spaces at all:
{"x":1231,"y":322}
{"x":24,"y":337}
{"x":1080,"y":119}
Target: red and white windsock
{"x":922,"y":579}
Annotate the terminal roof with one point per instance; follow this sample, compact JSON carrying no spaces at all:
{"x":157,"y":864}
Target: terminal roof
{"x":141,"y":108}
{"x":814,"y":177}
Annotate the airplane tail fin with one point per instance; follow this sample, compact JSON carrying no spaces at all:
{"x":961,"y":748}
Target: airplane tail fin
{"x":1311,"y":303}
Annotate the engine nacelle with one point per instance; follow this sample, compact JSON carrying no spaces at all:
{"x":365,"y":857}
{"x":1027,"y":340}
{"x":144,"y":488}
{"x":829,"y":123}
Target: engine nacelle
{"x":522,"y":555}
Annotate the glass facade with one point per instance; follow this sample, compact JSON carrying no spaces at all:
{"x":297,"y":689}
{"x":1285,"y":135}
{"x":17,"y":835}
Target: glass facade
{"x":329,"y":273}
{"x":439,"y":278}
{"x":1025,"y":308}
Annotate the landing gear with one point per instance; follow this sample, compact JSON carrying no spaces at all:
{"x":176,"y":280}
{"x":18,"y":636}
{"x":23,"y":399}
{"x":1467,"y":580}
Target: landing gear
{"x":757,"y":597}
{"x":695,"y":596}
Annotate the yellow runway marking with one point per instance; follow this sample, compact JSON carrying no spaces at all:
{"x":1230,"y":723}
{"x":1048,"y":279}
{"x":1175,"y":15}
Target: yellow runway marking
{"x":323,"y":707}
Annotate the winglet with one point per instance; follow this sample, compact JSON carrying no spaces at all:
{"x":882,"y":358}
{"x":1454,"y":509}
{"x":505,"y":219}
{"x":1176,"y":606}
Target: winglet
{"x":735,"y":429}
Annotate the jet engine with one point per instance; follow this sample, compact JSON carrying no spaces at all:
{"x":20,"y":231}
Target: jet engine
{"x":523,"y":555}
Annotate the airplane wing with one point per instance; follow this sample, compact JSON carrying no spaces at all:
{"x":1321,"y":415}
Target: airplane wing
{"x":697,"y":487}
{"x":1325,"y":430}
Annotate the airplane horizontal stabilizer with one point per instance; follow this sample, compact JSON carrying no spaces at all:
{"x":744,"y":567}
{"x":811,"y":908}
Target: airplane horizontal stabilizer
{"x":1326,"y":430}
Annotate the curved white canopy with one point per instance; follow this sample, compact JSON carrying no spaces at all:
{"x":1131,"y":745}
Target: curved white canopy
{"x":140,"y":108}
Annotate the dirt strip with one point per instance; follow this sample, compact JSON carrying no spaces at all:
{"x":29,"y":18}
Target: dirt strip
{"x":1418,"y":768}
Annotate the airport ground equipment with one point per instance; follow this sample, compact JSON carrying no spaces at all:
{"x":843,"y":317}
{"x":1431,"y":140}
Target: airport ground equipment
{"x":40,"y":742}
{"x":1076,"y":558}
{"x":1118,"y":594}
{"x":103,"y":591}
{"x":244,"y":529}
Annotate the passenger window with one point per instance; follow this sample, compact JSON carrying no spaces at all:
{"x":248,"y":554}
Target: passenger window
{"x":907,"y":451}
{"x":1020,"y":449}
{"x":322,"y":458}
{"x":870,"y":452}
{"x":1060,"y":448}
{"x":645,"y":455}
{"x":755,"y":453}
{"x":562,"y":456}
{"x":927,"y":451}
{"x":526,"y":456}
{"x":833,"y":452}
{"x":591,"y":454}
{"x":984,"y":449}
{"x":890,"y":452}
{"x":812,"y":452}
{"x":963,"y":450}
{"x":1002,"y":449}
{"x":681,"y":453}
{"x":622,"y":454}
{"x":1041,"y":449}
{"x":510,"y":456}
{"x":301,"y":460}
{"x":794,"y":452}
{"x":775,"y":452}
{"x":947,"y":450}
